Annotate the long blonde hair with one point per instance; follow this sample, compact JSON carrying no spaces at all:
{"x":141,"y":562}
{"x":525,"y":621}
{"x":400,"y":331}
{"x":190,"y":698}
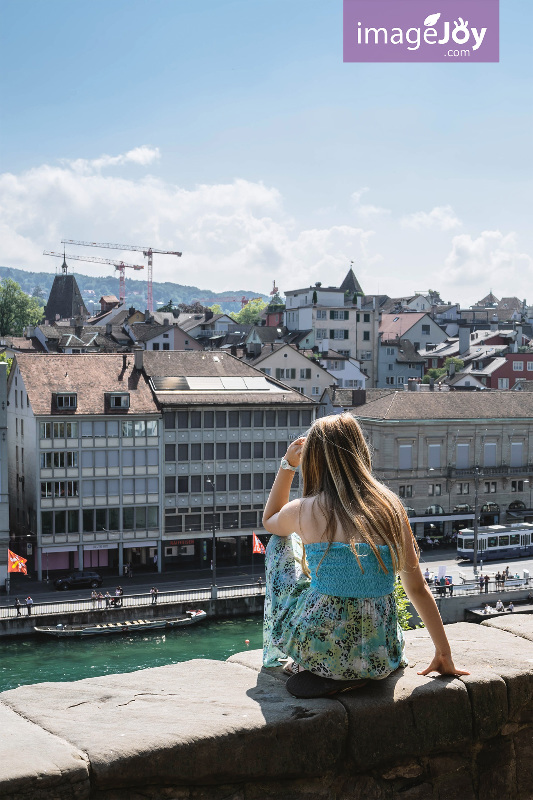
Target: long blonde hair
{"x":337,"y":472}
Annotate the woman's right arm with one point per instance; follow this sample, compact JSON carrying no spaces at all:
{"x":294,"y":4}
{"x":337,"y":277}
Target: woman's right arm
{"x":420,"y":596}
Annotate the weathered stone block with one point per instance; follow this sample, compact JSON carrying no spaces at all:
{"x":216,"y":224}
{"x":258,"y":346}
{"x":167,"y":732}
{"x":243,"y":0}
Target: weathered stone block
{"x":518,"y":624}
{"x":34,"y":763}
{"x":495,"y":767}
{"x":197,"y":722}
{"x":523,"y":749}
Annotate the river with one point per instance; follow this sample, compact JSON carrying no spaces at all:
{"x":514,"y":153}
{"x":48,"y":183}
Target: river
{"x":35,"y":660}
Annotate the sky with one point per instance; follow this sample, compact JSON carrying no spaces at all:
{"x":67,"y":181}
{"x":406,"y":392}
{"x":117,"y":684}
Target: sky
{"x":232,"y":131}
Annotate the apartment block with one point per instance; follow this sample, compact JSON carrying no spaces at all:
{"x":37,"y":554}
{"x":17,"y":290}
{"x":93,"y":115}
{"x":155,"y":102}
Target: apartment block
{"x":446,"y":453}
{"x":84,"y":439}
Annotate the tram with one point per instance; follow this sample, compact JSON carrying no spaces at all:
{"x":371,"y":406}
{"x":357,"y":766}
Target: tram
{"x":496,"y":542}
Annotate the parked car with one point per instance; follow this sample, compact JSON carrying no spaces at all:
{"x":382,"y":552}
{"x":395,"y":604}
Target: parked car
{"x":79,"y":580}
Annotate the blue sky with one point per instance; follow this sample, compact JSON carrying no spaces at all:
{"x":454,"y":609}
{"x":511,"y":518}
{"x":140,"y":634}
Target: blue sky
{"x":233,"y":131}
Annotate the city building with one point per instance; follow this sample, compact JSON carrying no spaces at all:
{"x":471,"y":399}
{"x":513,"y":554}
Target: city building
{"x":226,"y":427}
{"x":84,"y":439}
{"x":448,"y":453}
{"x":292,"y":367}
{"x":422,"y":331}
{"x":340,"y":314}
{"x":155,"y":336}
{"x":398,"y":361}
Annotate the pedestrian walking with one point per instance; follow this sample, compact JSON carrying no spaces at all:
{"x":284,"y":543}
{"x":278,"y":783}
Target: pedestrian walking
{"x":29,"y":604}
{"x":18,"y":606}
{"x":486,"y":579}
{"x":498,"y":579}
{"x":506,"y":572}
{"x":481,"y":582}
{"x":153,"y":593}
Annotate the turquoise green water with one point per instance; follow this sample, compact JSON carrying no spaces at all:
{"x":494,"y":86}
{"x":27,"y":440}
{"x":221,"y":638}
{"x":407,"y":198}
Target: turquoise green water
{"x":37,"y":660}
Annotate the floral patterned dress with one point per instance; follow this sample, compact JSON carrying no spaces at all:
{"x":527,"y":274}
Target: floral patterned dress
{"x":342,"y":622}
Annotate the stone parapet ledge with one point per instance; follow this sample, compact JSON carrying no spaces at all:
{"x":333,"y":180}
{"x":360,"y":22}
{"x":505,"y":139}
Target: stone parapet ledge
{"x":208,"y":730}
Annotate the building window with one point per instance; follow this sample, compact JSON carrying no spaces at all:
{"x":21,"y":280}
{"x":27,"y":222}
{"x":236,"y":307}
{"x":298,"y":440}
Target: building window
{"x":321,"y":333}
{"x":166,"y":345}
{"x":339,"y":314}
{"x":434,"y":489}
{"x":338,"y":334}
{"x":405,"y":490}
{"x":399,"y":379}
{"x":517,"y":486}
{"x":321,"y":313}
{"x":366,"y":336}
{"x":266,"y":370}
{"x":503,"y":383}
{"x":305,"y":374}
{"x":434,"y":456}
{"x":366,"y":317}
{"x":389,"y":351}
{"x":286,"y":374}
{"x":155,"y":346}
{"x":66,"y":401}
{"x":529,"y":366}
{"x":405,"y":456}
{"x":119,"y":400}
{"x":390,"y":381}
{"x":490,"y":487}
{"x":426,"y":330}
{"x":45,"y":430}
{"x":518,"y":366}
{"x":315,"y":390}
{"x":463,"y":488}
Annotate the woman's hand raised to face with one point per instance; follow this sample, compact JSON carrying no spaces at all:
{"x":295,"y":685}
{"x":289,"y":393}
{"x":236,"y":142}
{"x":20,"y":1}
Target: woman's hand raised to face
{"x":294,"y":452}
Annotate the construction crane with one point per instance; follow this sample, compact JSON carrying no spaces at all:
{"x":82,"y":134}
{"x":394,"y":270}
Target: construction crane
{"x":214,"y":300}
{"x":147,"y":253}
{"x":120,"y":265}
{"x":246,"y":300}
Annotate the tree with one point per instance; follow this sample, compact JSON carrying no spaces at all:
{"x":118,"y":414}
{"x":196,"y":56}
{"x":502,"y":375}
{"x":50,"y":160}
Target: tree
{"x":192,"y":308}
{"x":435,"y":372}
{"x":251,"y":313}
{"x":167,"y":307}
{"x":16,"y":309}
{"x":6,"y":360}
{"x":216,"y":308}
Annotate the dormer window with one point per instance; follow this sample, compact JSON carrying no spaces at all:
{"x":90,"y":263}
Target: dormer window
{"x":66,"y":401}
{"x":119,"y":400}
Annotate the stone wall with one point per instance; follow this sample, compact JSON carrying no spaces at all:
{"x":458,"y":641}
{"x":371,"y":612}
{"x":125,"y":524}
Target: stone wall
{"x":210,"y":730}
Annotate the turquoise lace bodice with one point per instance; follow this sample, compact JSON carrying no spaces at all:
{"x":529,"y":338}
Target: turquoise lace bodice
{"x":339,"y":573}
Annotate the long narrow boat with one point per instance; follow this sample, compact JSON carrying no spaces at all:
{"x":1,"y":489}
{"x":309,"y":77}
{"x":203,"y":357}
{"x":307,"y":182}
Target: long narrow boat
{"x":131,"y":626}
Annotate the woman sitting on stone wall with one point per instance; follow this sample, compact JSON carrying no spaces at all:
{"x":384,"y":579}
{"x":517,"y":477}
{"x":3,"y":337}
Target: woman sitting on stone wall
{"x":331,"y":568}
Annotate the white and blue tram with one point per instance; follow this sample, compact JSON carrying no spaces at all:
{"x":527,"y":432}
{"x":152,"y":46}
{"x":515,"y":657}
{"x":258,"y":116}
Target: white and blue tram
{"x":496,"y":542}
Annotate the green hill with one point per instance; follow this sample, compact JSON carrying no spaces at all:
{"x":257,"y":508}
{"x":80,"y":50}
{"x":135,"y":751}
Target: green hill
{"x":92,"y":289}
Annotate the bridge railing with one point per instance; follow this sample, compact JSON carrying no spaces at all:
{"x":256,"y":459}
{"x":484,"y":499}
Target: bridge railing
{"x":136,"y":601}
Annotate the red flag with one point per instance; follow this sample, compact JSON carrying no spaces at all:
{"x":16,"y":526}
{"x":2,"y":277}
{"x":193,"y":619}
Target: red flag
{"x":16,"y":563}
{"x":258,"y":546}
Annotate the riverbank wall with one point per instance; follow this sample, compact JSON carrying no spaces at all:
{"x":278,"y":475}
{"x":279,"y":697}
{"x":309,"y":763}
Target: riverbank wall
{"x":208,"y":730}
{"x":221,"y":608}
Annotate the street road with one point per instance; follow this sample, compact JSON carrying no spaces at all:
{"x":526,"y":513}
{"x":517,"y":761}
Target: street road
{"x":141,"y":582}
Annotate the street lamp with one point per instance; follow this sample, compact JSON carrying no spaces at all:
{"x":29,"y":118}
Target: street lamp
{"x":214,"y":546}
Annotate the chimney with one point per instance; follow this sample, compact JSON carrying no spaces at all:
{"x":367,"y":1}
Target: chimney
{"x":233,"y":350}
{"x":464,"y":340}
{"x":208,"y":315}
{"x":411,"y":385}
{"x":124,"y":362}
{"x":432,"y":384}
{"x":138,"y":357}
{"x":30,"y":331}
{"x":451,"y":369}
{"x":333,"y":392}
{"x":108,"y":328}
{"x":494,"y":322}
{"x":358,"y":397}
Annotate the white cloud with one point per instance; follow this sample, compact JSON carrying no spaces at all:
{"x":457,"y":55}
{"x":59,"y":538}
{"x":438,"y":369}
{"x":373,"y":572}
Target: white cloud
{"x":442,"y":217}
{"x":233,"y":236}
{"x":142,"y":156}
{"x":366,"y":210}
{"x":491,"y":260}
